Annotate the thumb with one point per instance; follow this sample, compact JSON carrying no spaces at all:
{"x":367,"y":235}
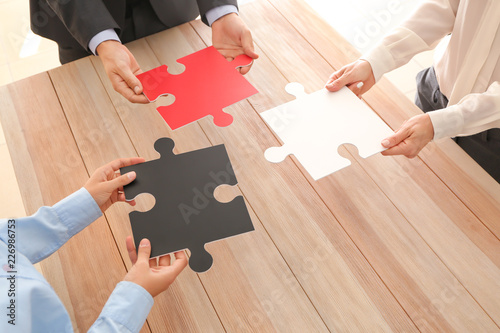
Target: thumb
{"x":131,"y":80}
{"x":339,"y":82}
{"x":131,"y":249}
{"x":247,"y":43}
{"x":144,"y":251}
{"x":395,"y":139}
{"x":122,"y":180}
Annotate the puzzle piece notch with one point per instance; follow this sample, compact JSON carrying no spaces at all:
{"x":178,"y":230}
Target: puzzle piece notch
{"x":154,"y":81}
{"x":241,"y":61}
{"x":295,"y":89}
{"x":313,"y":126}
{"x":278,"y":154}
{"x":186,"y":214}
{"x":208,"y":84}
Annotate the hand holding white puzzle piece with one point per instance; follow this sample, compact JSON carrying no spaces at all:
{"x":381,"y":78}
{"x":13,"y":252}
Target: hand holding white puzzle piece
{"x":313,"y":126}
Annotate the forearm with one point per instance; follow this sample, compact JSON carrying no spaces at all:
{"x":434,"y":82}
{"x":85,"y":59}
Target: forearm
{"x":125,"y":311}
{"x":430,"y":22}
{"x":101,"y":37}
{"x":39,"y":235}
{"x":473,"y":114}
{"x":205,"y":6}
{"x":83,"y":18}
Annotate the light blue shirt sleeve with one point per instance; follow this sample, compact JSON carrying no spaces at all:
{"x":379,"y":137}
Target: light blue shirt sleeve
{"x":126,"y":309}
{"x":109,"y":34}
{"x":39,"y":235}
{"x":27,"y":302}
{"x":216,"y":13}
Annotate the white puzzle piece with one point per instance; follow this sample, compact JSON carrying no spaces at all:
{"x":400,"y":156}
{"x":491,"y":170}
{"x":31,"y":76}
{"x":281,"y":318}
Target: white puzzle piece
{"x":313,"y":126}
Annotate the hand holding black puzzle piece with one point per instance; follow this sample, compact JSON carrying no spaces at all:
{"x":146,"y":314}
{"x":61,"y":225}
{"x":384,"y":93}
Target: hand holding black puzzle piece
{"x":186,"y":215}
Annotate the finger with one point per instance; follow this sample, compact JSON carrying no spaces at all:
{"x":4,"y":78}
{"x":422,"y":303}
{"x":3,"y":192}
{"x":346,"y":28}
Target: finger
{"x":123,"y":89}
{"x":180,"y":262}
{"x":164,"y":260}
{"x":246,"y":69}
{"x":138,"y":99}
{"x":123,"y":162}
{"x":132,"y":254}
{"x":334,"y":76}
{"x":153,"y":262}
{"x":401,"y":149}
{"x":121,"y":181}
{"x":230,"y":54}
{"x":247,"y":43}
{"x":127,"y":75}
{"x":144,"y":251}
{"x":341,"y":80}
{"x":132,"y":97}
{"x":399,"y":136}
{"x":180,"y":255}
{"x":123,"y":198}
{"x":356,"y":88}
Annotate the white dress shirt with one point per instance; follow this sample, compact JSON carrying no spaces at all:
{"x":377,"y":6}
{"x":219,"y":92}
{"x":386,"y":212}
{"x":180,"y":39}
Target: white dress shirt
{"x":468,"y":71}
{"x":110,"y":34}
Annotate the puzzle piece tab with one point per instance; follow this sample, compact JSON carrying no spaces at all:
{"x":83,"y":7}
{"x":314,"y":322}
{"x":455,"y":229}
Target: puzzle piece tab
{"x":313,"y":126}
{"x":186,"y":214}
{"x":208,"y":84}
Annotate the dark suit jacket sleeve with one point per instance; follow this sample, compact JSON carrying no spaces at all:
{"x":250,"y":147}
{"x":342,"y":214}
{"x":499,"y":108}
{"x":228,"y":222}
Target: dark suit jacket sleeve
{"x":205,"y":5}
{"x":83,"y":18}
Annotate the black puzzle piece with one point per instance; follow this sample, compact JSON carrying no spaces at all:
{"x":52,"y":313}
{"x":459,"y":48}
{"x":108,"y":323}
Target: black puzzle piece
{"x":186,"y":214}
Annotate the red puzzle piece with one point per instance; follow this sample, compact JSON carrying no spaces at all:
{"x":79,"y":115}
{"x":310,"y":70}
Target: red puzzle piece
{"x":208,"y":84}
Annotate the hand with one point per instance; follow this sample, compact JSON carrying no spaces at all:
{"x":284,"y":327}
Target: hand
{"x":410,"y":138}
{"x":352,"y":75}
{"x":231,"y":37}
{"x":153,"y":276}
{"x":106,"y":186}
{"x":122,"y":68}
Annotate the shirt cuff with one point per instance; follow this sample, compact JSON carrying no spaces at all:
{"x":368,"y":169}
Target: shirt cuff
{"x":128,"y":305}
{"x":381,"y":61}
{"x":216,"y":13}
{"x":109,"y":34}
{"x":77,"y":211}
{"x":447,"y":122}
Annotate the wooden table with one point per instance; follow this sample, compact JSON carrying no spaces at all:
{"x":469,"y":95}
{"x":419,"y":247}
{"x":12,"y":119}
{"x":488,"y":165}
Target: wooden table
{"x":387,"y":244}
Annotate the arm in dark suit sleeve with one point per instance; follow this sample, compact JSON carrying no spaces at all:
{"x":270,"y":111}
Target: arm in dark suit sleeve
{"x":83,"y":18}
{"x":205,"y":5}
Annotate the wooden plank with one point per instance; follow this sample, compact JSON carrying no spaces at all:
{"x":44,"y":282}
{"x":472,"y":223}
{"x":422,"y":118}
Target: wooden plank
{"x":248,"y":293}
{"x":41,"y":142}
{"x":456,"y":235}
{"x":260,"y":17}
{"x":101,"y":137}
{"x":439,"y":217}
{"x":470,"y":183}
{"x":328,"y":265}
{"x":450,"y":163}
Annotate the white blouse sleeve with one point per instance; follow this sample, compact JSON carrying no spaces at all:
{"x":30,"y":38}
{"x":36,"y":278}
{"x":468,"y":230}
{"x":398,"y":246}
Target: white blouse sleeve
{"x":473,"y":114}
{"x":430,"y":22}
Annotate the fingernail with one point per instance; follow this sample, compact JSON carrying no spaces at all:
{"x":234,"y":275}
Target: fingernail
{"x":385,"y":143}
{"x":131,"y":175}
{"x":137,"y":90}
{"x":359,"y":85}
{"x":144,"y":243}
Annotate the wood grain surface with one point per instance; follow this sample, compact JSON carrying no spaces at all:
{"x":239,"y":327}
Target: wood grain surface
{"x":387,"y":244}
